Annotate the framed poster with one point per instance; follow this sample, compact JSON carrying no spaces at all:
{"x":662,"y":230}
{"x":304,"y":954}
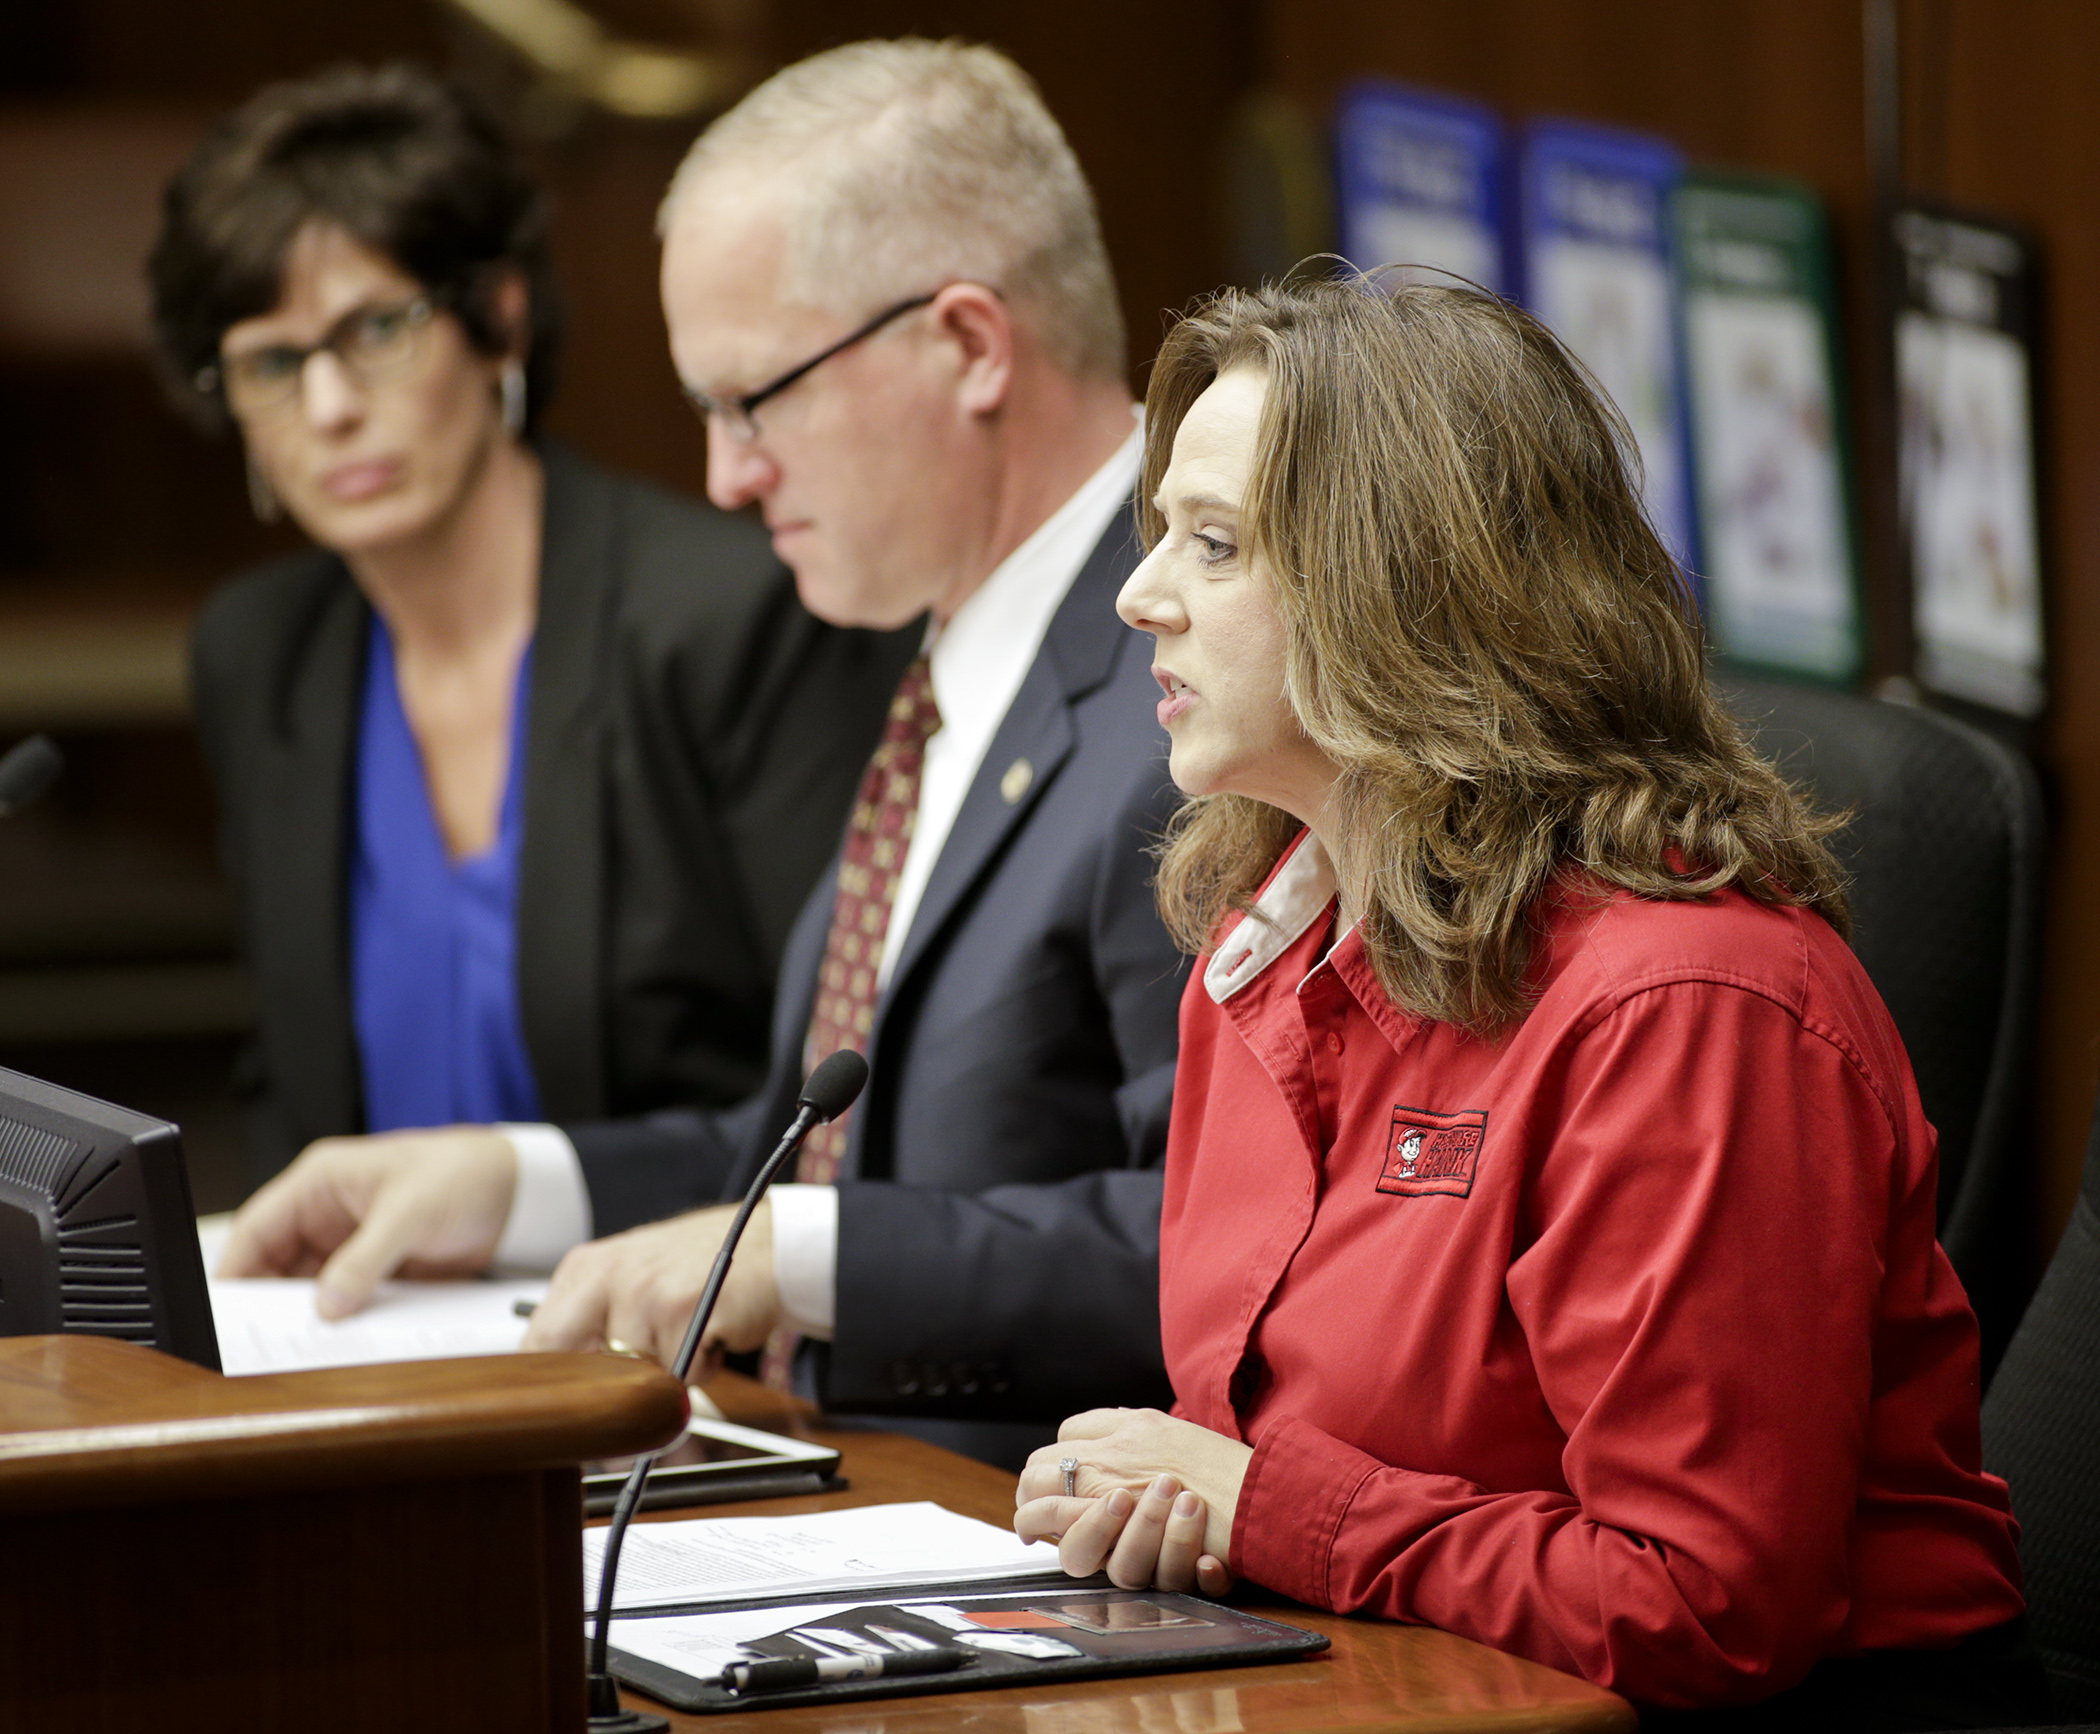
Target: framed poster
{"x":1965,"y":335}
{"x":1421,"y":178}
{"x":1776,"y":535}
{"x":1594,"y":218}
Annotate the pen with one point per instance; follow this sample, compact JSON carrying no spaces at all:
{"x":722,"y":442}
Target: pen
{"x":785,"y":1673}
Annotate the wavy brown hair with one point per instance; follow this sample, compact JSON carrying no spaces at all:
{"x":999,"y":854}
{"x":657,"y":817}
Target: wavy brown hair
{"x":1485,"y":636}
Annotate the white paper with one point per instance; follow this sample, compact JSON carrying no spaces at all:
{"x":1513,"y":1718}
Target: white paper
{"x":269,"y":1325}
{"x":732,"y":1559}
{"x":704,"y":1644}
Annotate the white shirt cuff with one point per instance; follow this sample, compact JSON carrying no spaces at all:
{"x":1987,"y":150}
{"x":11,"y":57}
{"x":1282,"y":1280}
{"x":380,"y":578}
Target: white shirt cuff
{"x":551,"y":1210}
{"x":806,"y":1257}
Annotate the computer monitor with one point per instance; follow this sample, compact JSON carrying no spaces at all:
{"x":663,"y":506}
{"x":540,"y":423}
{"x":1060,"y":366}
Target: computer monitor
{"x":97,"y":1236}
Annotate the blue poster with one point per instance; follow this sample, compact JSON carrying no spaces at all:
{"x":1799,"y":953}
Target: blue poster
{"x":1421,"y":179}
{"x":1594,"y":219}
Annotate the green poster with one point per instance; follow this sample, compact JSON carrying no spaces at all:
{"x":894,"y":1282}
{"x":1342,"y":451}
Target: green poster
{"x":1768,"y":437}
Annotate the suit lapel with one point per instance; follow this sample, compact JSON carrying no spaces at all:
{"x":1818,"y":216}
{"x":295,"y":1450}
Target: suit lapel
{"x":1079,"y":650}
{"x":561,"y":864}
{"x":300,"y":894}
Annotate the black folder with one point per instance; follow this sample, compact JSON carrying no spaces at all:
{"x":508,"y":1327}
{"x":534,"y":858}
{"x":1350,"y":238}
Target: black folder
{"x":1078,"y":1632}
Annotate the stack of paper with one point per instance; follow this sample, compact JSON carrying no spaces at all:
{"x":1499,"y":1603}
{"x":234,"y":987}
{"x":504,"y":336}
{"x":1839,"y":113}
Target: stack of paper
{"x":270,"y":1325}
{"x":713,"y":1560}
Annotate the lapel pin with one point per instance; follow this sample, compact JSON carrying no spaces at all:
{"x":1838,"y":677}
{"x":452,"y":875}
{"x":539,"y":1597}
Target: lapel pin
{"x":1015,"y":783}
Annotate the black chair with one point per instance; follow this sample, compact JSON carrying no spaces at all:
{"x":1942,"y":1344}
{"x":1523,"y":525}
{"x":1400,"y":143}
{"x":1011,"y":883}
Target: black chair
{"x":2041,"y":1431}
{"x":1945,"y":850}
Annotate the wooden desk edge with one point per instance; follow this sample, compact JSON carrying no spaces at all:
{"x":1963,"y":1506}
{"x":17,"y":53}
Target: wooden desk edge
{"x":90,"y":1422}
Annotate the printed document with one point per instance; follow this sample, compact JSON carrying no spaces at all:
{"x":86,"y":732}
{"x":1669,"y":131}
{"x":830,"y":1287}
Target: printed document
{"x":713,"y":1560}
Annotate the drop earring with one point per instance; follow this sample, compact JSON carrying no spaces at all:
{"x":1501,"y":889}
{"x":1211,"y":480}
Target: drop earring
{"x":510,"y":386}
{"x":262,"y":498}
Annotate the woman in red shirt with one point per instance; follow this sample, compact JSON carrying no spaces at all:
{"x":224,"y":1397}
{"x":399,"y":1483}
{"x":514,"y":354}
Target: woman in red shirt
{"x":1548,"y":1251}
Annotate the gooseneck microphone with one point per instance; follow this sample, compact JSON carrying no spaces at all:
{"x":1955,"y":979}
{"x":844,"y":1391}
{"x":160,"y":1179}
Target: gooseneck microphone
{"x":828,"y":1092}
{"x":27,"y":772}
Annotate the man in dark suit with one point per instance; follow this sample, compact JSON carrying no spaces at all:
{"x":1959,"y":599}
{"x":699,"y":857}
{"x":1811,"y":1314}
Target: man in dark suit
{"x":886,"y":289}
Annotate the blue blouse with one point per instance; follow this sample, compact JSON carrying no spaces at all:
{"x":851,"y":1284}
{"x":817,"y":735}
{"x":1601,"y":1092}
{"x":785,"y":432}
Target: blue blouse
{"x":433,"y":943}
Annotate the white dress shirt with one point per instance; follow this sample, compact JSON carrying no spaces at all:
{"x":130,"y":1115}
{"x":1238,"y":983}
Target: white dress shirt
{"x":977,"y":661}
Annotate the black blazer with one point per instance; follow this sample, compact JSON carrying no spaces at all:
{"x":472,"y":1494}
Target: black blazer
{"x":1000,"y":1194}
{"x":693,"y":741}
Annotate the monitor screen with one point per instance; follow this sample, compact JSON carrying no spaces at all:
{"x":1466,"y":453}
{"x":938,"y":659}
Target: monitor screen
{"x":97,"y":1235}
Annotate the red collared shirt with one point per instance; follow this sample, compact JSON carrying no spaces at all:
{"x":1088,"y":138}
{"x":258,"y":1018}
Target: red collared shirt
{"x":1621,"y":1341}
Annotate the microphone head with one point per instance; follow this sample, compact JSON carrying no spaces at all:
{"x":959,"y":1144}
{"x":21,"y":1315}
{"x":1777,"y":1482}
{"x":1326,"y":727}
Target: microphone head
{"x":27,"y":772}
{"x":834,"y":1085}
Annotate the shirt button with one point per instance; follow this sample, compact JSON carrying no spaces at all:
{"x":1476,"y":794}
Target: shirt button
{"x":1334,"y":1042}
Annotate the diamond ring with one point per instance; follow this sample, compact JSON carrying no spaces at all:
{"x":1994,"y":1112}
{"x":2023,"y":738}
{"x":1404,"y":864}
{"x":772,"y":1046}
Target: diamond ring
{"x":1069,"y":1468}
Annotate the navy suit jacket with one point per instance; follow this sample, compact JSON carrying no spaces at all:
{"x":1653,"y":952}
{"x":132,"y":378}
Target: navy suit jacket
{"x":999,"y":1197}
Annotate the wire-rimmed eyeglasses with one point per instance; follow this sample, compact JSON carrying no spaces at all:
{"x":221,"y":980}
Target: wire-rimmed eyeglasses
{"x":373,"y":345}
{"x":738,"y":416}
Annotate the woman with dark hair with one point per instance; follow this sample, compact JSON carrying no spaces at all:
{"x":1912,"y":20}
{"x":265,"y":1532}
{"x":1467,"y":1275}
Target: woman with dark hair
{"x":1548,"y":1247}
{"x":526,"y":767}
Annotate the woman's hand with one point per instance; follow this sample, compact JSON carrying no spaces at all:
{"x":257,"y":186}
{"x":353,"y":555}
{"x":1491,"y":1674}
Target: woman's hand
{"x":1154,"y":1503}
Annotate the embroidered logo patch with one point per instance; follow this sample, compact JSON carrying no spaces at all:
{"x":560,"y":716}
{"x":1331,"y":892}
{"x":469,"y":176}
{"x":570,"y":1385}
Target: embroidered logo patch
{"x":1432,"y":1153}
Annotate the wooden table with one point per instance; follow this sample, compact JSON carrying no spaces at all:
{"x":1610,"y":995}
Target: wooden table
{"x":1377,"y":1677}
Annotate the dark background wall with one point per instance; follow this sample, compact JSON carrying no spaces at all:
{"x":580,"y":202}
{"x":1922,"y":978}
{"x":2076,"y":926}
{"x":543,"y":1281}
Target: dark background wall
{"x":111,"y":514}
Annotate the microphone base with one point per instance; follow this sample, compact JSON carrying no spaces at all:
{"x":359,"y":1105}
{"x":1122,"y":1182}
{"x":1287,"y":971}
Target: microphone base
{"x":608,"y":1718}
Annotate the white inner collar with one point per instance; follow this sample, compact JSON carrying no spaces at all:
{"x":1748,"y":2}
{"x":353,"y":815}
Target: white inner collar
{"x":1297,"y":897}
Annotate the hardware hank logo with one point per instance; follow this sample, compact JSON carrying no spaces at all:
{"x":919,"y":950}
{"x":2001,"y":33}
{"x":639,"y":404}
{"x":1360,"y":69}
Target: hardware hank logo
{"x":1432,"y":1154}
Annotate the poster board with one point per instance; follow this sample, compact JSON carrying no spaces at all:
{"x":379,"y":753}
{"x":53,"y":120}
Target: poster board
{"x":1596,"y":255}
{"x":1966,"y":328}
{"x":1763,"y":366}
{"x":1422,"y":182}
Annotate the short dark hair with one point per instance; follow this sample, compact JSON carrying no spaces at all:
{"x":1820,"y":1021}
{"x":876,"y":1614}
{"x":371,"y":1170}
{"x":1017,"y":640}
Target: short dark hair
{"x":406,"y":163}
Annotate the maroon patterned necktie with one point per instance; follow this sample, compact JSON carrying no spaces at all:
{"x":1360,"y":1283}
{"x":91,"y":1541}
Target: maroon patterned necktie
{"x":877,"y":838}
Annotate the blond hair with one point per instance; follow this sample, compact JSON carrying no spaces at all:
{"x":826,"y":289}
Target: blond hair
{"x":910,"y":164}
{"x":1484,"y":635}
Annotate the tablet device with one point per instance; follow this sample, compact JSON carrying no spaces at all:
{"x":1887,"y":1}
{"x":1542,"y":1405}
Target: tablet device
{"x":714,"y":1462}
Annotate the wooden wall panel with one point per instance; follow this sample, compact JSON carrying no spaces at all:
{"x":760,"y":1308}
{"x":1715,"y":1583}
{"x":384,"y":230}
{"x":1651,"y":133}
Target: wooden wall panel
{"x":619,"y":399}
{"x":2004,"y":123}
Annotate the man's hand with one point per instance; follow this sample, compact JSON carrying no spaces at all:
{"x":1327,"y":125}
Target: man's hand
{"x":1154,"y":1504}
{"x":637,"y":1290}
{"x":355,"y":1211}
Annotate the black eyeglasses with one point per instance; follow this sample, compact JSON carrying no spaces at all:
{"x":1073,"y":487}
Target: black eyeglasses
{"x":738,"y":415}
{"x":374,"y":345}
